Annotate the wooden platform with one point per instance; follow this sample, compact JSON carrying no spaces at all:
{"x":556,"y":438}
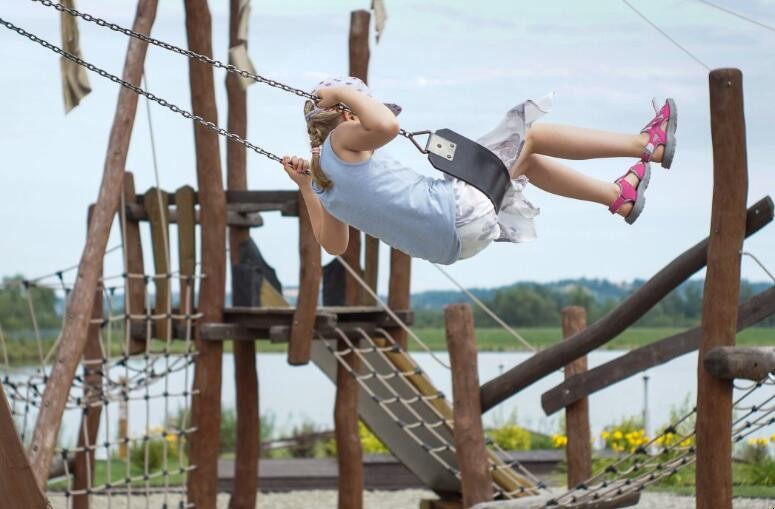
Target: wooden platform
{"x":274,"y":324}
{"x":381,"y":472}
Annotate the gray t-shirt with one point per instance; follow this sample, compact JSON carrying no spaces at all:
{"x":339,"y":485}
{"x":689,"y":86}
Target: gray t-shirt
{"x":381,"y":197}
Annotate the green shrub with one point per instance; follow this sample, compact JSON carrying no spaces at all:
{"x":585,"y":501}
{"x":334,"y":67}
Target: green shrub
{"x":154,"y":452}
{"x":510,"y":437}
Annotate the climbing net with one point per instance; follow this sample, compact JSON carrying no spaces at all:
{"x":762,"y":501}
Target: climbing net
{"x":126,"y":427}
{"x":674,"y":448}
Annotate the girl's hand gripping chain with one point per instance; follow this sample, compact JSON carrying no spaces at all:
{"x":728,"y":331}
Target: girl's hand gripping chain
{"x":298,"y":170}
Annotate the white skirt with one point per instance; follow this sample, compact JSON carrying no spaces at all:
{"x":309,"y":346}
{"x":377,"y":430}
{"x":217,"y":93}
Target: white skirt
{"x":476,"y":222}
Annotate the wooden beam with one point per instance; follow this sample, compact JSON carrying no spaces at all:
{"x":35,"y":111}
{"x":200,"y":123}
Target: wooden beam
{"x":206,"y":406}
{"x":245,"y":371}
{"x":83,"y":467}
{"x":134,"y":287}
{"x":284,"y":201}
{"x":310,"y":273}
{"x":234,"y":215}
{"x":722,"y":286}
{"x":749,"y":363}
{"x":616,"y":321}
{"x":581,"y":385}
{"x":157,"y":206}
{"x":578,"y":451}
{"x":471,"y":452}
{"x":78,"y":314}
{"x":17,"y":480}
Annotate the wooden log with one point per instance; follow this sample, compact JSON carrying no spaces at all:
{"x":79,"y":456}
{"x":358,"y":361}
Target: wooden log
{"x":399,"y":289}
{"x":371,"y":269}
{"x":134,"y":287}
{"x":616,"y":321}
{"x":245,"y":372}
{"x":750,"y":312}
{"x":83,"y":468}
{"x":578,"y":451}
{"x":78,"y":314}
{"x":749,"y":363}
{"x":17,"y":480}
{"x":156,"y":205}
{"x":206,"y":406}
{"x":302,"y":327}
{"x":475,"y":477}
{"x":184,"y":199}
{"x":722,"y":287}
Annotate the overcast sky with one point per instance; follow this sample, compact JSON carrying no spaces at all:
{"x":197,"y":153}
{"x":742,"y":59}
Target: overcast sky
{"x":456,"y":64}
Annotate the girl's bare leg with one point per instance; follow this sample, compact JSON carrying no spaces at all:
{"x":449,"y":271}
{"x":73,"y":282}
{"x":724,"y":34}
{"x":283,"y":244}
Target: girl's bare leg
{"x":556,"y":178}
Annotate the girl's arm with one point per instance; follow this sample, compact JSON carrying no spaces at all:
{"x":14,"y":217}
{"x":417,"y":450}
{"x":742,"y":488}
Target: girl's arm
{"x":378,"y":125}
{"x":331,"y":233}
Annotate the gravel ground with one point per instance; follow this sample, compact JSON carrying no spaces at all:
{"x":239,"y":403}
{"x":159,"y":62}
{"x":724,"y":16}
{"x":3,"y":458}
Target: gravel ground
{"x":405,"y":499}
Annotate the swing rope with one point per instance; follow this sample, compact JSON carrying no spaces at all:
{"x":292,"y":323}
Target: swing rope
{"x":206,"y":60}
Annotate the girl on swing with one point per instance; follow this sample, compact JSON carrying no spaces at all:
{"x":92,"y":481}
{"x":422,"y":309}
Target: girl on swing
{"x":445,"y":220}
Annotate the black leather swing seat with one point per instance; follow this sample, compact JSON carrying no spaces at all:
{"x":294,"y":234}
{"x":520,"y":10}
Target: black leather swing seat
{"x":470,"y":162}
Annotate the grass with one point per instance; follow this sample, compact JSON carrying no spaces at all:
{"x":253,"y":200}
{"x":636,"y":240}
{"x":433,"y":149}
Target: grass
{"x":118,"y":473}
{"x":488,"y":340}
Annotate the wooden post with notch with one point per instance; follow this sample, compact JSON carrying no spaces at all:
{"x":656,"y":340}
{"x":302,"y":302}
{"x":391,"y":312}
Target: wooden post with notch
{"x":206,"y":405}
{"x":156,"y":202}
{"x":134,"y":285}
{"x":475,"y":477}
{"x":722,"y":287}
{"x":578,"y":451}
{"x":78,"y":314}
{"x":83,"y":470}
{"x":348,"y":442}
{"x":245,"y":372}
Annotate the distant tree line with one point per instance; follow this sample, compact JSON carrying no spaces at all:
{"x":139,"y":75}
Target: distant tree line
{"x":539,"y":305}
{"x":15,"y":307}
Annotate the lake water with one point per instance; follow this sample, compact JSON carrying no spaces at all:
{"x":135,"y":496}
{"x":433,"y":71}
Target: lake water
{"x":295,"y":395}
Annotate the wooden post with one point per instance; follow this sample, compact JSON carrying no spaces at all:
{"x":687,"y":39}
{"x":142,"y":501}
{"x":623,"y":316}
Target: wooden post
{"x":300,"y":342}
{"x":157,"y":203}
{"x":83,"y":471}
{"x":475,"y":477}
{"x":722,"y":287}
{"x":579,"y":449}
{"x":123,"y":420}
{"x":134,"y":287}
{"x":185,"y":207}
{"x":73,"y":337}
{"x":17,"y":480}
{"x":348,"y":442}
{"x":245,"y":372}
{"x":206,"y":405}
{"x":399,"y":289}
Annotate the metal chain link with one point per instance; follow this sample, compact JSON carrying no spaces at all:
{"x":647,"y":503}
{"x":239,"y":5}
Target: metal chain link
{"x":209,"y":60}
{"x":163,"y":102}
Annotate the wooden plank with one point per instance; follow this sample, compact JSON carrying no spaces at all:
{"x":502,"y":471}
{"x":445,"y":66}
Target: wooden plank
{"x":399,"y":289}
{"x":245,"y":371}
{"x":184,"y":197}
{"x":83,"y":467}
{"x":309,"y":287}
{"x":750,"y":312}
{"x":749,"y":363}
{"x":134,"y":287}
{"x":202,"y":483}
{"x":371,"y":269}
{"x":616,"y":321}
{"x":579,"y":448}
{"x":78,"y":314}
{"x":471,"y":453}
{"x":17,"y":480}
{"x":156,"y":205}
{"x":722,"y":286}
{"x":242,"y":201}
{"x":247,"y":219}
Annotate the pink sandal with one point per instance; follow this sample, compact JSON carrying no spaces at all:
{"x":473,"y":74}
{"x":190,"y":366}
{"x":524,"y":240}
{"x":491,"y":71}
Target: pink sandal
{"x":658,"y":136}
{"x":630,"y":194}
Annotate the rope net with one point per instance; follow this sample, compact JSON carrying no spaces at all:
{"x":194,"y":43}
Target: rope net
{"x":124,"y":435}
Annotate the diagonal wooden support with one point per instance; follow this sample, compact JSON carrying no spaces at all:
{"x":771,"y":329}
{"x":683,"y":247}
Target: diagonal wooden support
{"x":73,"y":338}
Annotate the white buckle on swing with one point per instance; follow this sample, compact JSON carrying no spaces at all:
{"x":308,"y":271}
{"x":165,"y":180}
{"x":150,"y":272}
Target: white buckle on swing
{"x":442,"y":147}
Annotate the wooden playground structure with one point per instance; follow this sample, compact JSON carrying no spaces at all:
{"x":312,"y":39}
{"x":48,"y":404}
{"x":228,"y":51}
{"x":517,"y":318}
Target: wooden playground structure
{"x":359,"y":343}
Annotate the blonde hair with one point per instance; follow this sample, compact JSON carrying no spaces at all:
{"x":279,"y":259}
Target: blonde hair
{"x":319,"y":127}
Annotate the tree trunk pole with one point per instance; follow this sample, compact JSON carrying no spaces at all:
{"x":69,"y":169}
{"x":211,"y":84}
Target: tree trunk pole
{"x":245,"y":373}
{"x":206,"y":405}
{"x":579,"y":448}
{"x":722,"y":287}
{"x":475,"y":476}
{"x":73,"y":339}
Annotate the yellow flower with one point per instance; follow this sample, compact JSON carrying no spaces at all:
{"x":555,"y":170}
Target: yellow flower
{"x":559,"y":441}
{"x":618,"y":435}
{"x":604,"y":435}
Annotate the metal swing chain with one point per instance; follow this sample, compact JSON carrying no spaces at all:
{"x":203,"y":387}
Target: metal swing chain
{"x":213,"y":62}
